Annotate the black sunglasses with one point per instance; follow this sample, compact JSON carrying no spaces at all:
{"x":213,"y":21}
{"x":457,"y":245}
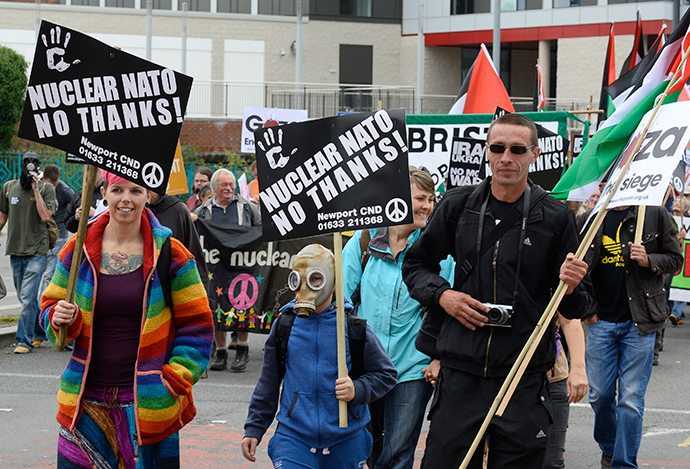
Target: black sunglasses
{"x":514,"y":149}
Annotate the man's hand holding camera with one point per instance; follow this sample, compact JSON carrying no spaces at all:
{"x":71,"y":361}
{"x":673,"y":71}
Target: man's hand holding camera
{"x":573,"y":271}
{"x":464,"y":308}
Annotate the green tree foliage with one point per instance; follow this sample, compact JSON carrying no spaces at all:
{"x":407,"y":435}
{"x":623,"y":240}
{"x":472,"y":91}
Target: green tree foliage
{"x":13,"y":81}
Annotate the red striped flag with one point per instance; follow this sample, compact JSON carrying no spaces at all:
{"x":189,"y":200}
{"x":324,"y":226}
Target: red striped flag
{"x":482,"y":90}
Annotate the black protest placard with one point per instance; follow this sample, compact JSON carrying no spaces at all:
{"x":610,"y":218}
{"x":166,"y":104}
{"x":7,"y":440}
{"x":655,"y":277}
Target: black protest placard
{"x":247,"y":277}
{"x":114,"y":110}
{"x":335,"y":174}
{"x":466,"y":158}
{"x":552,"y":159}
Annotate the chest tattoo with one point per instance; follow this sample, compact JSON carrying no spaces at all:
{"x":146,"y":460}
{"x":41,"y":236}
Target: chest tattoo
{"x":120,"y":262}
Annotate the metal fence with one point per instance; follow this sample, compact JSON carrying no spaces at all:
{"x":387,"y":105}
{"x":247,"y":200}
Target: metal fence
{"x":210,"y":99}
{"x":71,"y":173}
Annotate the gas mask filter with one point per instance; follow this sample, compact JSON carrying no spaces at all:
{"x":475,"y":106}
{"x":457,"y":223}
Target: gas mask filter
{"x":312,"y":278}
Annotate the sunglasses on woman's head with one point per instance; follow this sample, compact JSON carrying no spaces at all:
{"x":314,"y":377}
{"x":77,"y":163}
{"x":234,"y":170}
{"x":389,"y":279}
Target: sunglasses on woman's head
{"x":514,"y":149}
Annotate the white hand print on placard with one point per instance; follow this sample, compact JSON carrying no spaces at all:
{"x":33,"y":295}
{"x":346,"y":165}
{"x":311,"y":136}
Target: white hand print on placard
{"x":57,"y":50}
{"x":274,"y":149}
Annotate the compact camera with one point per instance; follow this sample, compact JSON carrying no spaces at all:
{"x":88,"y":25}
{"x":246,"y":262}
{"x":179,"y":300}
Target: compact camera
{"x":499,"y":315}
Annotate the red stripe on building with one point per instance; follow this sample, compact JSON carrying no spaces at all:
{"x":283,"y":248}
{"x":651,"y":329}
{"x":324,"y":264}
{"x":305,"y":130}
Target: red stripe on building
{"x":544,"y":33}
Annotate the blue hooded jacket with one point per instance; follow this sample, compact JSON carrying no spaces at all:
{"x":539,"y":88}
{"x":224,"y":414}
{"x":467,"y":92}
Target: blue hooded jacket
{"x":308,"y":406}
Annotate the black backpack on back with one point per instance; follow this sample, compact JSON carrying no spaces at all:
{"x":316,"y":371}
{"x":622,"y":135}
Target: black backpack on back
{"x":357,"y":336}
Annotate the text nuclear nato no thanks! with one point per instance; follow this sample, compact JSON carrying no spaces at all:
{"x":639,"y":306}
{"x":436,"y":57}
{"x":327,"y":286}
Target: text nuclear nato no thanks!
{"x":135,"y":109}
{"x":362,"y":144}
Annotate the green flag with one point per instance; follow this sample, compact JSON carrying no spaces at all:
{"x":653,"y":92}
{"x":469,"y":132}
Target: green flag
{"x":583,"y":176}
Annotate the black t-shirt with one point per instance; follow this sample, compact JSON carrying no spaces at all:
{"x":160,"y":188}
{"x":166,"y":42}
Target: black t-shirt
{"x":609,"y":276}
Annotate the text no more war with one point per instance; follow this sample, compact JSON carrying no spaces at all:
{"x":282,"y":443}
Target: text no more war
{"x":87,"y":94}
{"x":368,"y":146}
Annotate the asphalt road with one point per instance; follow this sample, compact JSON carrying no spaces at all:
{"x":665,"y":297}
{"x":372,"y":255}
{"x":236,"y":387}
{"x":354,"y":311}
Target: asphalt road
{"x":28,"y":386}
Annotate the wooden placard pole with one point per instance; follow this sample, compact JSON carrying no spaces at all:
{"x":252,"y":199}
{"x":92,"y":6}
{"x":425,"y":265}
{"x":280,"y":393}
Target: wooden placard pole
{"x":517,"y":370}
{"x":86,"y":198}
{"x":641,"y":212}
{"x":340,"y":320}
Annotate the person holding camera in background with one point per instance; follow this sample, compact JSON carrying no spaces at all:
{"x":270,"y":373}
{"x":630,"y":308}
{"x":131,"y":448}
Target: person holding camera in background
{"x":26,"y":205}
{"x":512,"y":244}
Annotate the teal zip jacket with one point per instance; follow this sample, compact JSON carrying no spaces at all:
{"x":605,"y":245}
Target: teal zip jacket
{"x":386,"y":303}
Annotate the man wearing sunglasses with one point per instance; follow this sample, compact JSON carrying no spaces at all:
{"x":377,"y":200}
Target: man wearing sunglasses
{"x":512,"y":244}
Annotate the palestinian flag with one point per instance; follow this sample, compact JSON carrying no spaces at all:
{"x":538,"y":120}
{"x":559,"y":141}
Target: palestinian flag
{"x":580,"y":180}
{"x":637,"y":51}
{"x":482,"y":90}
{"x":620,"y":89}
{"x":608,"y":78}
{"x":539,"y":99}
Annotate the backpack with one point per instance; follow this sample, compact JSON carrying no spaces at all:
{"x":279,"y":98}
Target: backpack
{"x":51,"y":226}
{"x":357,"y":337}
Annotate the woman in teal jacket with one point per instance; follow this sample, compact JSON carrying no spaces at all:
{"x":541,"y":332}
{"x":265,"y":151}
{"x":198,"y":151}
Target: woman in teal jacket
{"x":395,"y":318}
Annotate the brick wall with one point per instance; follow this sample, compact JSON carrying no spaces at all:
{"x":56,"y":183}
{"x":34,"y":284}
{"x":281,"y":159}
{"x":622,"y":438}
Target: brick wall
{"x":214,"y":136}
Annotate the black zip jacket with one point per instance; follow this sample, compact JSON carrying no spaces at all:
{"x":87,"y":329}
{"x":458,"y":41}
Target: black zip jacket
{"x":645,"y":286}
{"x":550,"y":235}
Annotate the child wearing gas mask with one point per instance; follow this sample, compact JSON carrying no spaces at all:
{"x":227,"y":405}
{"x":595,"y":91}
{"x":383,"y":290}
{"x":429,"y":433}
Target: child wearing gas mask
{"x":301,"y":352}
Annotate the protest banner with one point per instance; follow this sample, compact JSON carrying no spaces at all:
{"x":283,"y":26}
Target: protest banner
{"x":466,"y":159}
{"x":248,"y":277}
{"x":114,"y":110}
{"x":652,"y":167}
{"x":334,"y":174}
{"x":177,"y":184}
{"x":430,"y":137}
{"x":255,"y":118}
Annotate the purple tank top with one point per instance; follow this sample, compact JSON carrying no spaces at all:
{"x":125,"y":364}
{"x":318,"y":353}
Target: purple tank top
{"x":117,"y":322}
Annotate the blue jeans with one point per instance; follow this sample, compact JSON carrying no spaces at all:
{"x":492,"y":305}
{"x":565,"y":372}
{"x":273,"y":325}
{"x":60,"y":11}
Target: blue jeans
{"x":404,"y":406}
{"x":51,"y":264}
{"x":677,"y":309}
{"x":27,"y":271}
{"x":618,"y":354}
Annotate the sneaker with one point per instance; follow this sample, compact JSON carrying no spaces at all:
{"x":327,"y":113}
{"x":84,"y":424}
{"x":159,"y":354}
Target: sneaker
{"x":655,"y":361}
{"x":681,"y":322}
{"x":674,"y":319}
{"x":241,"y":358}
{"x":69,"y":347}
{"x":21,"y":349}
{"x":233,"y":344}
{"x":221,"y":361}
{"x":606,"y":461}
{"x":37,"y":343}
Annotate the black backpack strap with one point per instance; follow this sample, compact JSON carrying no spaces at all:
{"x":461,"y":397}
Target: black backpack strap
{"x":471,"y":259}
{"x":163,"y":269}
{"x":283,"y":326}
{"x":357,"y":337}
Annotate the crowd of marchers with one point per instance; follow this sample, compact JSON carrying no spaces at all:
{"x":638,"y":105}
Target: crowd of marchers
{"x":437,"y":311}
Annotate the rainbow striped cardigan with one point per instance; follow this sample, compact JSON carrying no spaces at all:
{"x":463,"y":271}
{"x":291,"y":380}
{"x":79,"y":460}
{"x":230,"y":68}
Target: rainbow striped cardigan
{"x":174,"y":348}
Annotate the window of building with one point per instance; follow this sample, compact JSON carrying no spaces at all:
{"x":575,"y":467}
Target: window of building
{"x":234,"y":6}
{"x":278,"y":7}
{"x":360,"y":8}
{"x":468,"y":7}
{"x":160,"y":4}
{"x":118,"y":3}
{"x":521,"y":5}
{"x":90,"y":3}
{"x":194,"y":5}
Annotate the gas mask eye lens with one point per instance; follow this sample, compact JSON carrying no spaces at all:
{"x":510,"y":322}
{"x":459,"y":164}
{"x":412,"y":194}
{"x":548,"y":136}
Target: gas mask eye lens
{"x":315,"y":280}
{"x":294,"y":280}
